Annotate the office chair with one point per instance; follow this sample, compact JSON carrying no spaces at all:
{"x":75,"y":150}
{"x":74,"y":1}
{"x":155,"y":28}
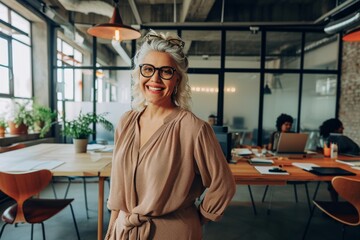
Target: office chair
{"x":22,"y":187}
{"x":12,"y":147}
{"x":346,"y":212}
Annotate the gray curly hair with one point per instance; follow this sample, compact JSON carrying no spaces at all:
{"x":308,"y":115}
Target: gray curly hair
{"x":173,"y":45}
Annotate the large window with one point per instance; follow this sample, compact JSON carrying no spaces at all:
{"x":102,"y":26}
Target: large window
{"x":69,"y":79}
{"x":15,"y":55}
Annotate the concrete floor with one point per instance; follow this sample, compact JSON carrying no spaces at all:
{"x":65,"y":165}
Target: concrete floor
{"x":286,"y":220}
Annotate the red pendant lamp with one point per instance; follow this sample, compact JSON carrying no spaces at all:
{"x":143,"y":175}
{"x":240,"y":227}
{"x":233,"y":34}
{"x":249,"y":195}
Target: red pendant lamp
{"x":115,"y":29}
{"x":353,"y":36}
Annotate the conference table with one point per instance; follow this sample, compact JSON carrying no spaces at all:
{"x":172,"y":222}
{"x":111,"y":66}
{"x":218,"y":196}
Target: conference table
{"x":61,"y":160}
{"x":99,"y":164}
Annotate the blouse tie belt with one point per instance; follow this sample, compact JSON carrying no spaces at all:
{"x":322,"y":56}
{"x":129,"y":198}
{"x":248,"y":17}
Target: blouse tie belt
{"x":136,"y":227}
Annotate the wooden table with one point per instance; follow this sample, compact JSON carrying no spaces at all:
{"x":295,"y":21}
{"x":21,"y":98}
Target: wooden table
{"x":75,"y":164}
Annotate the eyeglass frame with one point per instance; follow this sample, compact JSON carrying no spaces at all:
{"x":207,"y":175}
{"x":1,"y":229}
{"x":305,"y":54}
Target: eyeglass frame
{"x":174,"y":41}
{"x":158,"y":69}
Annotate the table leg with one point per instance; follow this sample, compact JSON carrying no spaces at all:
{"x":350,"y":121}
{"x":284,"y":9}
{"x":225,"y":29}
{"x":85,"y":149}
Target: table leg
{"x":101,"y":208}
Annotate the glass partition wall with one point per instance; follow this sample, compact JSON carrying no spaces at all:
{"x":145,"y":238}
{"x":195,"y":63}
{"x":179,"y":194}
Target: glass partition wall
{"x":244,"y":76}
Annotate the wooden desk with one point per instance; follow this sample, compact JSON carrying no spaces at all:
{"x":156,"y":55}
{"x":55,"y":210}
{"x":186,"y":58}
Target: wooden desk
{"x":75,"y":164}
{"x":246,"y":174}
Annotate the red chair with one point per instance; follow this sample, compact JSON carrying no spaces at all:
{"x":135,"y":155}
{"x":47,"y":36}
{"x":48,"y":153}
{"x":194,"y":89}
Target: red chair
{"x":22,"y":187}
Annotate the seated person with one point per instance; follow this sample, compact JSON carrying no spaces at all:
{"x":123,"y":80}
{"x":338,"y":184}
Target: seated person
{"x":331,"y":131}
{"x":212,"y":119}
{"x":283,"y":124}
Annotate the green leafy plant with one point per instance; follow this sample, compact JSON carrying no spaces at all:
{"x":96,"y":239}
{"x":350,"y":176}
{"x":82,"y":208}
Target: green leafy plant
{"x":22,"y":114}
{"x":80,"y":127}
{"x":44,"y":118}
{"x":3,"y":123}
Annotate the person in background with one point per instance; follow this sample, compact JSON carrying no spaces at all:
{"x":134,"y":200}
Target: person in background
{"x":331,"y":131}
{"x":283,"y":124}
{"x":212,"y":119}
{"x":164,"y":156}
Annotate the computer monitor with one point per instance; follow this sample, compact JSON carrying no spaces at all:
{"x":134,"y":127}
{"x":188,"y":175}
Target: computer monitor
{"x":224,"y":139}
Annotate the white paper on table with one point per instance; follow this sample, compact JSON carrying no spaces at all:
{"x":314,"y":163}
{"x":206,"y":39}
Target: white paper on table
{"x":32,"y":165}
{"x":305,"y":166}
{"x":242,"y":151}
{"x":265,"y":170}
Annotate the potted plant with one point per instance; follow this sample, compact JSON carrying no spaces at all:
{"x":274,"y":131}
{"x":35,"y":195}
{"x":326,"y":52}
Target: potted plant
{"x":80,"y":128}
{"x":44,"y":118}
{"x":3,"y":126}
{"x":21,"y":118}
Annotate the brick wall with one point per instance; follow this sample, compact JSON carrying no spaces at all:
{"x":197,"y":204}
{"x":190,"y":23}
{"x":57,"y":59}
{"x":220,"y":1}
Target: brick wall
{"x":349,"y":112}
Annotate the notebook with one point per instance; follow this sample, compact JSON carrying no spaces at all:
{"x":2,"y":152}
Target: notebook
{"x":331,"y":171}
{"x":292,"y":144}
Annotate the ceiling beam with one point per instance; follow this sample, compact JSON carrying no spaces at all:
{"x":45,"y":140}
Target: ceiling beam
{"x":195,"y":10}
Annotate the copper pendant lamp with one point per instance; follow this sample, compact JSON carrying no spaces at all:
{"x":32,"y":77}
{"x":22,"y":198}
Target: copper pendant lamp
{"x":353,"y":36}
{"x":115,"y":29}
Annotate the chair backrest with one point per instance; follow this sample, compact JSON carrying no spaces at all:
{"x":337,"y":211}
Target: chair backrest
{"x":22,"y":186}
{"x":12,"y":147}
{"x":348,"y":189}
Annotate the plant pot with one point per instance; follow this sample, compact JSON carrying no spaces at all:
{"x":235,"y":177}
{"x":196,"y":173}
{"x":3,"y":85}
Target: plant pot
{"x":80,"y":145}
{"x":2,"y":132}
{"x":21,"y":129}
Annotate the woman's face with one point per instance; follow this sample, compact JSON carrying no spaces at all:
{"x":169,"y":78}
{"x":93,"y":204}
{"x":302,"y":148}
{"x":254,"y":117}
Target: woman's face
{"x":157,"y":90}
{"x":286,"y":127}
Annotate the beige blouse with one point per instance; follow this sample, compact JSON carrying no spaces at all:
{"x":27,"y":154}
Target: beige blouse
{"x":155,"y":186}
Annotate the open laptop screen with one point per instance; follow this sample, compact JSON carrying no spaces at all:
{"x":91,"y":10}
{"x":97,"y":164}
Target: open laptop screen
{"x":292,"y":143}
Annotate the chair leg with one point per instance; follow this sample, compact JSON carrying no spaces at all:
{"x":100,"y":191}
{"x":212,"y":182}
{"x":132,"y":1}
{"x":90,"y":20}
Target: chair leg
{"x":43,"y":230}
{"x":86,"y":202}
{"x":252,"y":200}
{"x":2,"y":229}
{"x":295,"y":192}
{"x":264,"y":195}
{"x":343,"y":231}
{"x":32,"y":231}
{"x":308,"y":223}
{"x":308,"y":196}
{"x":75,"y":224}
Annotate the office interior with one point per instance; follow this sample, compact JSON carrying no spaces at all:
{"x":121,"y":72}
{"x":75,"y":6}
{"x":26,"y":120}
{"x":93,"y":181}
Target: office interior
{"x":249,"y":60}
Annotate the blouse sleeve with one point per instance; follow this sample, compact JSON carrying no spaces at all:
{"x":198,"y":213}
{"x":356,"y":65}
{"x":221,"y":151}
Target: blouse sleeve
{"x":215,"y":174}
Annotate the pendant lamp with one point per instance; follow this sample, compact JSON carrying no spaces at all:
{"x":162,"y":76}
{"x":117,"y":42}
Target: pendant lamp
{"x":267,"y":89}
{"x":353,"y":36}
{"x":115,"y":29}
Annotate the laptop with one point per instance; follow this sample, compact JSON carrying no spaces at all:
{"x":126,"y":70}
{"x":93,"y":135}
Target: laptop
{"x":331,"y":171}
{"x":292,"y":145}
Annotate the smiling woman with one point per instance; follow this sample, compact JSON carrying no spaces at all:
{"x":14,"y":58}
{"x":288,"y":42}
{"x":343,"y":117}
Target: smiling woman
{"x":165,"y":155}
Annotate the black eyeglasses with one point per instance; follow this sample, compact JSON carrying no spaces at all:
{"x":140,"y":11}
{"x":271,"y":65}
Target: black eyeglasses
{"x":165,"y":72}
{"x":173,"y":41}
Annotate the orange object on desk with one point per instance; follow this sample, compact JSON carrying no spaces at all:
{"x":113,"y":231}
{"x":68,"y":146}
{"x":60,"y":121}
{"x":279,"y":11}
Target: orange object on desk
{"x":327,"y":150}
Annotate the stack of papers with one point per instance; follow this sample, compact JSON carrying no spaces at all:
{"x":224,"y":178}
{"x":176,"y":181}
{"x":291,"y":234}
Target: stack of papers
{"x":265,"y":170}
{"x":305,"y":166}
{"x":353,"y":163}
{"x":242,"y":151}
{"x":261,"y":161}
{"x":30,"y":165}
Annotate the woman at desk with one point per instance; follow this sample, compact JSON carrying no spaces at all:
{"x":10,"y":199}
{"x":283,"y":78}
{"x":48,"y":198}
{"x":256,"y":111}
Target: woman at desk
{"x":331,"y":131}
{"x":164,"y":156}
{"x":283,"y":124}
